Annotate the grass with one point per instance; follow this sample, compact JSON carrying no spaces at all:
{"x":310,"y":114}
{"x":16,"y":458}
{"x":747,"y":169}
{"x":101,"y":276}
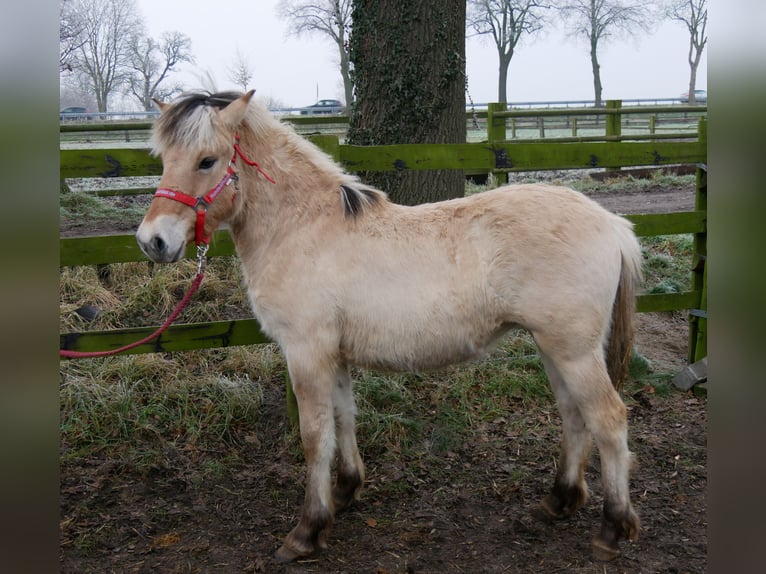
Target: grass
{"x":140,"y":293}
{"x":154,"y":409}
{"x":75,"y":206}
{"x":590,"y":186}
{"x":667,"y":263}
{"x":442,"y":409}
{"x":140,"y":406}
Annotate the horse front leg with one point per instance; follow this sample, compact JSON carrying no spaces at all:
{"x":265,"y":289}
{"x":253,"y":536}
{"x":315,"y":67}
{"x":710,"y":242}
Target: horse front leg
{"x":313,"y":390}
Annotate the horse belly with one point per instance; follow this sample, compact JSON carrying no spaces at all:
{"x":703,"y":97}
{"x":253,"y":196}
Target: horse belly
{"x":422,"y":338}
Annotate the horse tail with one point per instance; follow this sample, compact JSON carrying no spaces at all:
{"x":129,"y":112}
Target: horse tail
{"x":619,"y":344}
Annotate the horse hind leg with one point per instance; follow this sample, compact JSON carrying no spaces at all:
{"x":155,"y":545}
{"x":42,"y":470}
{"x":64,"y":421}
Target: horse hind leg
{"x":350,"y":468}
{"x":569,"y":491}
{"x":605,"y":417}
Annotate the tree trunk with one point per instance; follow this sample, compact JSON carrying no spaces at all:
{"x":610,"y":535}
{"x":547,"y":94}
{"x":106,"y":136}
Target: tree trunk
{"x":101,"y":100}
{"x":595,"y":66}
{"x":693,"y":86}
{"x":345,"y":63}
{"x":345,"y":72}
{"x":694,"y":59}
{"x":502,"y":82}
{"x":409,"y":77}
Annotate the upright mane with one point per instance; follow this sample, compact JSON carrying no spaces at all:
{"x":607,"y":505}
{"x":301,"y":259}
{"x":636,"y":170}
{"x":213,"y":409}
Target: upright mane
{"x":189,"y":122}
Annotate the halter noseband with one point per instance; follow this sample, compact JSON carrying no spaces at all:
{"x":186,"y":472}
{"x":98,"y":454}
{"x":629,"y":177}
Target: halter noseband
{"x":200,"y":204}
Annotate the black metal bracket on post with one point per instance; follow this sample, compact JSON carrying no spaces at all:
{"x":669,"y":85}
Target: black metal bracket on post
{"x":698,"y":316}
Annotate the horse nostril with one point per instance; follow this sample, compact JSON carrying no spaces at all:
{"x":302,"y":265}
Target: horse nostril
{"x":158,"y":244}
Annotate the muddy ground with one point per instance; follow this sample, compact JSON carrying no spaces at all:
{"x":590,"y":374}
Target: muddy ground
{"x":463,"y":511}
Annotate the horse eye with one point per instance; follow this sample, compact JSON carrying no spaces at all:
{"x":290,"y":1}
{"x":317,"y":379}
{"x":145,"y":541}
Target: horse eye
{"x":207,"y":163}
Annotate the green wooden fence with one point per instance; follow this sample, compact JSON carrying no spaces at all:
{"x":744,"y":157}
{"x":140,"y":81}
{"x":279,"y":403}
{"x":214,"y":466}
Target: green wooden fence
{"x":496,"y":155}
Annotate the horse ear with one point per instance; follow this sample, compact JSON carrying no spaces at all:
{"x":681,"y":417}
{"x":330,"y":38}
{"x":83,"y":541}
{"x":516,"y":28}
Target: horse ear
{"x":162,"y":106}
{"x":233,"y":114}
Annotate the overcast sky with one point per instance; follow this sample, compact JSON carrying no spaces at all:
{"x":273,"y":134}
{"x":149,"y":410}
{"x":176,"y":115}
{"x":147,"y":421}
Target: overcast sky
{"x":298,"y":71}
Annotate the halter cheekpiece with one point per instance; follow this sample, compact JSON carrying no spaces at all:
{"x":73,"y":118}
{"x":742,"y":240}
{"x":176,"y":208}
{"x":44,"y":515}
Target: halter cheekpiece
{"x":200,"y":204}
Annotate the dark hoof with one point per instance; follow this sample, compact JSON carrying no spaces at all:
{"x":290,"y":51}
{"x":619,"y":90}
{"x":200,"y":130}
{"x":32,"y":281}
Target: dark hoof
{"x":542,"y":513}
{"x":296,"y":547}
{"x":288,"y":553}
{"x":560,"y":504}
{"x":603,"y":552}
{"x":615,"y":526}
{"x":346,"y":490}
{"x":551,"y":509}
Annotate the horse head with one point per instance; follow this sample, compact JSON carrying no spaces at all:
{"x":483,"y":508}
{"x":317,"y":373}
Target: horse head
{"x":197,"y":139}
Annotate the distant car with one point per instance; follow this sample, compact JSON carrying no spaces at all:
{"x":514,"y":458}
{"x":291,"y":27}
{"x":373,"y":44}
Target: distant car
{"x":323,"y":107}
{"x":699,"y":95}
{"x":74,"y":113}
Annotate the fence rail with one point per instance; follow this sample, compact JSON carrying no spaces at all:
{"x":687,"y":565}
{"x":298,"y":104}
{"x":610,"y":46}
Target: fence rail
{"x":141,"y":115}
{"x":496,"y":155}
{"x":641,"y":120}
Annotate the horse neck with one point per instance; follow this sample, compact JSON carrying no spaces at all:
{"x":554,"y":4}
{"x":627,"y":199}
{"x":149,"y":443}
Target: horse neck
{"x":307,"y":184}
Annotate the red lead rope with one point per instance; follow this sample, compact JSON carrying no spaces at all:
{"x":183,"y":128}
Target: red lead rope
{"x":176,"y":312}
{"x":250,"y":162}
{"x":199,"y":204}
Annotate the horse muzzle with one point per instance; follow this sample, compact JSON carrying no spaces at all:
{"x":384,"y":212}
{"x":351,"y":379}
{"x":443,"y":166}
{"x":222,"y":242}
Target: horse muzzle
{"x":161,"y":243}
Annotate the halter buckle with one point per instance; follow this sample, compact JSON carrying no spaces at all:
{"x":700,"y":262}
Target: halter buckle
{"x":202,"y":257}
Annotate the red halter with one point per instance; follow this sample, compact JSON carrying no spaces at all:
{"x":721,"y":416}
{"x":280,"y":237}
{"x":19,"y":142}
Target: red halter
{"x":200,"y":204}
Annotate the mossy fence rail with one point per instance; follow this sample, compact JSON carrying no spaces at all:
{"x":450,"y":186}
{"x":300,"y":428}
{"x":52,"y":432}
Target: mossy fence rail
{"x":497,"y":154}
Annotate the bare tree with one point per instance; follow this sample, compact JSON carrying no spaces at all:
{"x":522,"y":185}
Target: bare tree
{"x":693,"y":14}
{"x":507,"y":21}
{"x":273,"y":103}
{"x":599,"y":20}
{"x":72,"y":93}
{"x":109,"y":28}
{"x":324,"y":17}
{"x":152,"y":61}
{"x":71,"y":37}
{"x":241,"y":73}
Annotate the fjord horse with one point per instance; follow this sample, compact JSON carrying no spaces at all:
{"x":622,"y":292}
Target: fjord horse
{"x":338,"y":276}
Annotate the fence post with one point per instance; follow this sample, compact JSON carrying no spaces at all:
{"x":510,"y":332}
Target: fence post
{"x":496,"y":132}
{"x":613,"y":121}
{"x":613,"y":124}
{"x":291,"y":402}
{"x":330,"y":144}
{"x":698,"y":317}
{"x":700,"y":343}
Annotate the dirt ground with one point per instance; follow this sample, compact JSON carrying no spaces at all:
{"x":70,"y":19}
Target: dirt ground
{"x":464,"y":511}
